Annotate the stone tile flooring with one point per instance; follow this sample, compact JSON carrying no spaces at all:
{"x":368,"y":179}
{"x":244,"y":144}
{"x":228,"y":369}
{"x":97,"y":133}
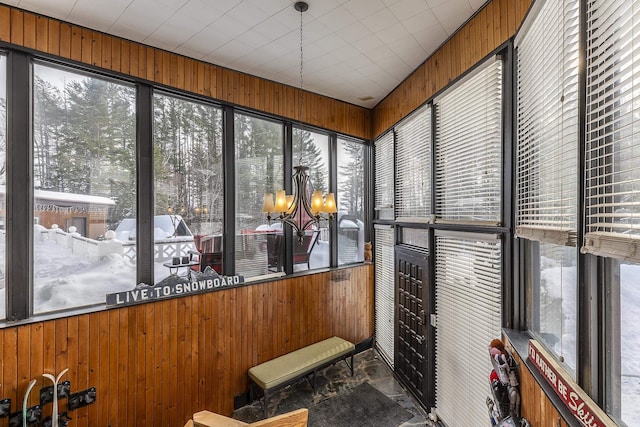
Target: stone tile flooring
{"x":337,"y":379}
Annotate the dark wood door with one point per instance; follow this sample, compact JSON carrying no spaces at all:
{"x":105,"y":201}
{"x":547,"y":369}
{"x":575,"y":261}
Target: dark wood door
{"x":415,"y":337}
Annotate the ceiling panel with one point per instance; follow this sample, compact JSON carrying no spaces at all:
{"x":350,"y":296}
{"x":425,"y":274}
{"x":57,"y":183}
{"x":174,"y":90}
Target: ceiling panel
{"x":352,"y":48}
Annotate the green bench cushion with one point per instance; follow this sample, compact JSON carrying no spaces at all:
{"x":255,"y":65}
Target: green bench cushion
{"x":292,"y":365}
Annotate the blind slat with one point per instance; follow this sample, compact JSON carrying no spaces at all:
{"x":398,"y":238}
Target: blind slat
{"x":384,"y":291}
{"x":413,"y":166}
{"x":547,"y":123}
{"x":468,"y":300}
{"x":612,"y":129}
{"x":468,"y":149}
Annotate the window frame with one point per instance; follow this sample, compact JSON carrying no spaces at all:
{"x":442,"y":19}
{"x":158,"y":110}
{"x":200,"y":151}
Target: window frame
{"x":19,"y":297}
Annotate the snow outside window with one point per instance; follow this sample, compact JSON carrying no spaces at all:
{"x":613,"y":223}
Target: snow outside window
{"x":84,"y":172}
{"x":623,"y":379}
{"x":547,"y":172}
{"x":613,"y":187}
{"x":553,"y":296}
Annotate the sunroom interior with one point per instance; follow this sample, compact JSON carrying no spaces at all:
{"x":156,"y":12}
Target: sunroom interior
{"x":489,"y":191}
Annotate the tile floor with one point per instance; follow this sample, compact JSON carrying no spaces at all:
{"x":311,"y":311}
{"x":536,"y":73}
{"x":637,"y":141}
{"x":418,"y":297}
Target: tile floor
{"x":336,"y":379}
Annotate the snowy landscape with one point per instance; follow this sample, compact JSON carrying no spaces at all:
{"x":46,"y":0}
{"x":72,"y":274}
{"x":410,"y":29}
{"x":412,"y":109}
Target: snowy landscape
{"x":558,"y":283}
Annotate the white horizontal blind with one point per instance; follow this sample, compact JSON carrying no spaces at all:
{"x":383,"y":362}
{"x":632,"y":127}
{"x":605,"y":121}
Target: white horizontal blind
{"x":384,"y":290}
{"x":468,"y":148}
{"x":613,"y":129}
{"x":468,"y":301}
{"x":547,"y":123}
{"x":383,"y":173}
{"x":413,"y":167}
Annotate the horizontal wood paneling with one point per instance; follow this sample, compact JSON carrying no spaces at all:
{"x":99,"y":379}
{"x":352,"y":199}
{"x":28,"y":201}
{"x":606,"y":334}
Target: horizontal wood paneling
{"x":112,"y":53}
{"x":488,"y":29}
{"x":156,"y":364}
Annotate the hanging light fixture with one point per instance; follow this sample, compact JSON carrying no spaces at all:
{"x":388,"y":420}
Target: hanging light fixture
{"x":297,"y":209}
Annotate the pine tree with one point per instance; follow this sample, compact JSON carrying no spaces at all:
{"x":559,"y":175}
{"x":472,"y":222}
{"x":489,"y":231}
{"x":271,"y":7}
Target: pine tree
{"x":351,"y":178}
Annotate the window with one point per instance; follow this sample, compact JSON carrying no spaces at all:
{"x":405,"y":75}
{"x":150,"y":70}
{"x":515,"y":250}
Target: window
{"x":546,"y":173}
{"x":350,"y":199}
{"x":384,"y":190}
{"x":413,"y":167}
{"x":259,"y":154}
{"x":189,"y":198}
{"x":84,"y":173}
{"x":613,"y":136}
{"x":552,"y":295}
{"x":3,"y":165}
{"x":468,"y":148}
{"x":613,"y":187}
{"x":311,"y":149}
{"x":623,"y":379}
{"x":468,"y":300}
{"x":385,"y":290}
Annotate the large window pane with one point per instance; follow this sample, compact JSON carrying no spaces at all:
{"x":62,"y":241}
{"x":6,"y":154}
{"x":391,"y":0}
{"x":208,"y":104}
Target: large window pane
{"x":350,"y":201}
{"x":311,"y":149}
{"x":468,"y":148}
{"x":552,"y":314}
{"x":383,"y":173}
{"x":188,"y":182}
{"x":3,"y":151}
{"x":468,"y":282}
{"x":613,"y":129}
{"x":259,"y":170}
{"x":623,"y":394}
{"x":84,"y":171}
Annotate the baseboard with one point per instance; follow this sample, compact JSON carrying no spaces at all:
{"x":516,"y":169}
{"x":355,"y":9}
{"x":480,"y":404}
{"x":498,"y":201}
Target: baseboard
{"x":364,"y":345}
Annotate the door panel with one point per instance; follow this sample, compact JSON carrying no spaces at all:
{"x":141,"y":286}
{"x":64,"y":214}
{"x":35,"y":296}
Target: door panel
{"x":415,"y":338}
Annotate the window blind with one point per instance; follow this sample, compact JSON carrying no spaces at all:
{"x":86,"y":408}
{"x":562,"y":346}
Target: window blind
{"x":613,"y":129}
{"x":383,"y":174}
{"x":384,"y":290}
{"x":413,"y":167}
{"x":468,"y":300}
{"x":547,"y":123}
{"x":468,"y":148}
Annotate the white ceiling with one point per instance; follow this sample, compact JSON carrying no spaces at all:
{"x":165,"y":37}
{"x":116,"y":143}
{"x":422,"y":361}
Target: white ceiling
{"x":352,"y":49}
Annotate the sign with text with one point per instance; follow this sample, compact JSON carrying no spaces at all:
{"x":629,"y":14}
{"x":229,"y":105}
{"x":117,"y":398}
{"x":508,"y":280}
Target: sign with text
{"x":146,"y":293}
{"x":575,"y":399}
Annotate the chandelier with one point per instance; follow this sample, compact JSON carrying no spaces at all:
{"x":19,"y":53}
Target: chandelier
{"x":298,"y":209}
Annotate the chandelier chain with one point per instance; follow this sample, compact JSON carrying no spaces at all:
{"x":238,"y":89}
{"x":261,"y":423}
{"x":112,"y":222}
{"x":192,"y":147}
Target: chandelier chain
{"x":301,"y":94}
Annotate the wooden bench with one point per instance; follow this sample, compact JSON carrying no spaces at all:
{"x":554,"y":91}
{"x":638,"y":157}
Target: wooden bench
{"x":287,"y":369}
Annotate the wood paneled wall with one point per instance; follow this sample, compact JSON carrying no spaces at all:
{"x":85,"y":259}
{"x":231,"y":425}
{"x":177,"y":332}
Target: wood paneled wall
{"x":156,"y":364}
{"x":535,"y":405}
{"x":488,"y":29}
{"x":69,"y":41}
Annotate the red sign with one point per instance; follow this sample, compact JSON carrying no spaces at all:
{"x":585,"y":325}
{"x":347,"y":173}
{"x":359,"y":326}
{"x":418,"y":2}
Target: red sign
{"x":577,"y":401}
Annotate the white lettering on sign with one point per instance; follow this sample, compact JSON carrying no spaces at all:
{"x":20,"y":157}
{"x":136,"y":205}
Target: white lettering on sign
{"x":148,"y":293}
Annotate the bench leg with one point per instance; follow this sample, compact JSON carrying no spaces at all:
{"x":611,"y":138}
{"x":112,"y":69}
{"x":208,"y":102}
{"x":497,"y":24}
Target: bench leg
{"x":265,"y":401}
{"x":351,"y":364}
